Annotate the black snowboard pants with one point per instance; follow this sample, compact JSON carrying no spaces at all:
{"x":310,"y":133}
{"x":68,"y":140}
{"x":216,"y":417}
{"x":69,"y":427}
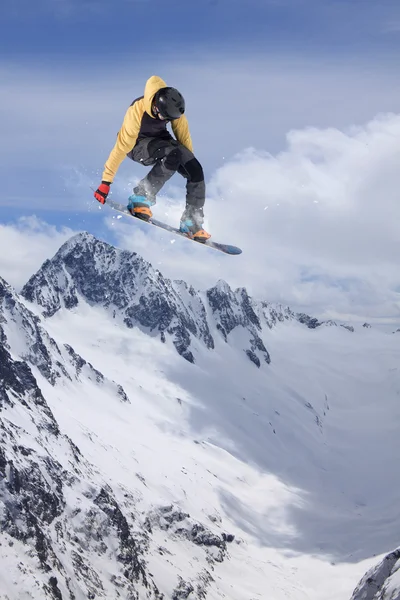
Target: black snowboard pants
{"x":168,"y":156}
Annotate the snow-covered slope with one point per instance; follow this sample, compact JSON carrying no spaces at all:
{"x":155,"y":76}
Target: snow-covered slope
{"x":382,"y":582}
{"x":147,"y":476}
{"x":58,"y":516}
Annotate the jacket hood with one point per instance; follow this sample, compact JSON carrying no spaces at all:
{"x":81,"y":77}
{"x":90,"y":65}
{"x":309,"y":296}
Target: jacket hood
{"x":153,"y":84}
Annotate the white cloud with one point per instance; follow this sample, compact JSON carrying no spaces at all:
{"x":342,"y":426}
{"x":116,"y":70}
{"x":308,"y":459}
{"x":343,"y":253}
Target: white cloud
{"x":318,"y":224}
{"x":232,"y":103}
{"x":25,"y":245}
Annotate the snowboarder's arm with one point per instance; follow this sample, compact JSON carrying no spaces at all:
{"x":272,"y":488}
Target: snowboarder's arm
{"x":126,"y":139}
{"x":180,"y":127}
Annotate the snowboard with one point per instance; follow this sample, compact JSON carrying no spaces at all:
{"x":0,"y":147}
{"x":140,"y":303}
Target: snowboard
{"x":225,"y":248}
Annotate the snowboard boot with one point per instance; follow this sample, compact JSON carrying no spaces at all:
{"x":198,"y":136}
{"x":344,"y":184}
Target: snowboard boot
{"x":139,"y":206}
{"x":192,"y":224}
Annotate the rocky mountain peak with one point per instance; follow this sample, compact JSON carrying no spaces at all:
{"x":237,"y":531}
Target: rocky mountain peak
{"x":86,"y":269}
{"x":71,"y":528}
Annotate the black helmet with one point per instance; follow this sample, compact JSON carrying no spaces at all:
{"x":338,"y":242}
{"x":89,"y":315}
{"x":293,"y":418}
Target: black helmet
{"x":170,"y":103}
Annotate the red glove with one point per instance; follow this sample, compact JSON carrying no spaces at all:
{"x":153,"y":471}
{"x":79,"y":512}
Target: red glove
{"x":102,"y":192}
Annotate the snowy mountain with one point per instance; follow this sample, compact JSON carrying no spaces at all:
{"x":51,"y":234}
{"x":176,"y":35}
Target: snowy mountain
{"x":53,"y":502}
{"x":138,"y":296}
{"x":127,"y":472}
{"x":382,"y":582}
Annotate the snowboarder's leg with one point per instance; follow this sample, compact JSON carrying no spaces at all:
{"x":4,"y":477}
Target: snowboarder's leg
{"x":193,"y":216}
{"x":162,"y":154}
{"x":168,"y":157}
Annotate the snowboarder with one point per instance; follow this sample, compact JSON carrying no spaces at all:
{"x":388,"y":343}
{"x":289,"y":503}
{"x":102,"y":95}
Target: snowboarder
{"x":145,"y":139}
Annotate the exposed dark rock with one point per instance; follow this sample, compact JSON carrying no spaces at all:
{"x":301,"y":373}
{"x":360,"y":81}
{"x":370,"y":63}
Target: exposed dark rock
{"x":53,"y":589}
{"x":376,"y":582}
{"x":254,"y":358}
{"x":311,"y":322}
{"x":77,"y":360}
{"x":234,"y":309}
{"x":129,"y":553}
{"x":204,"y":581}
{"x":180,"y":524}
{"x":203,"y":537}
{"x":123,"y":282}
{"x":40,"y":467}
{"x":122,"y":394}
{"x":170,"y":515}
{"x":54,"y":363}
{"x":183,"y":590}
{"x":86,"y":269}
{"x":223,"y":303}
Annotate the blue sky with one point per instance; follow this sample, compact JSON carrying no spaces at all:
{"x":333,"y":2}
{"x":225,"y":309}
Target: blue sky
{"x":61,"y":30}
{"x":251,"y":72}
{"x":97,"y":55}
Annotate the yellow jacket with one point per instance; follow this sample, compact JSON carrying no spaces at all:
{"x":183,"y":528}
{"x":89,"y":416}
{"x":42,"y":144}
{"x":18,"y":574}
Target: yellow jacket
{"x":130,"y":129}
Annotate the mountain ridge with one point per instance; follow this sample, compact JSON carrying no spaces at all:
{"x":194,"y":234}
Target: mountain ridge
{"x":124,"y":283}
{"x":166,"y":505}
{"x":54,"y":499}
